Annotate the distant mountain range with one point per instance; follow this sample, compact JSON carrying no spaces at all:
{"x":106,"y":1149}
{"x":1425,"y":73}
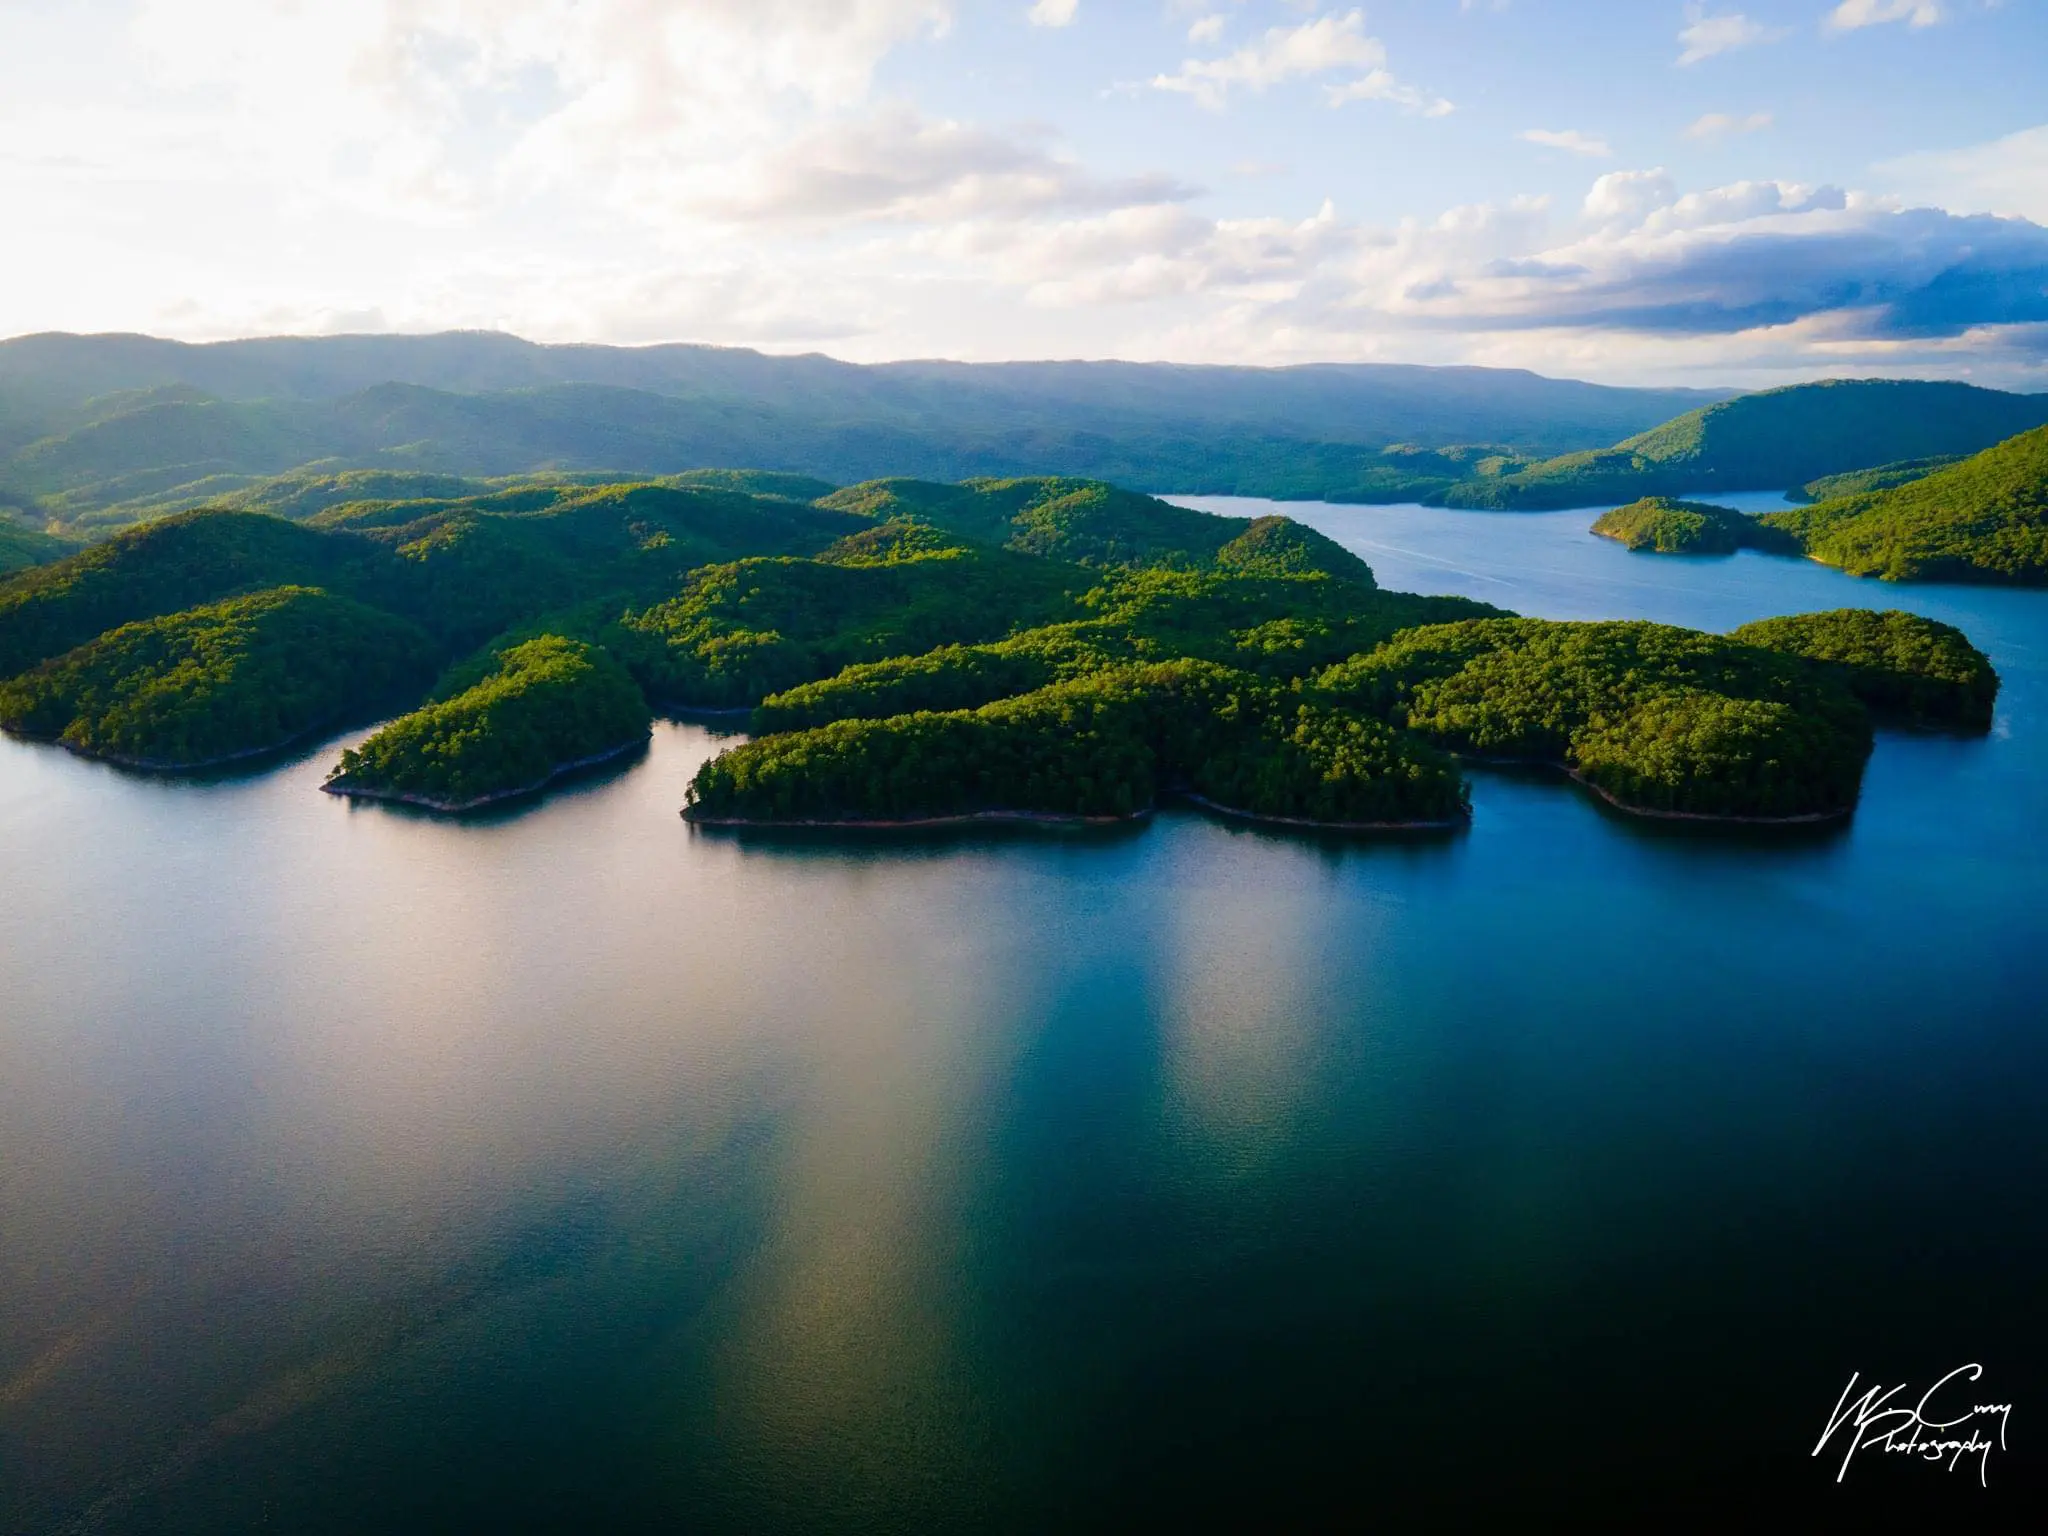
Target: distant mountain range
{"x":1773,"y":440}
{"x":100,"y":430}
{"x":97,"y":432}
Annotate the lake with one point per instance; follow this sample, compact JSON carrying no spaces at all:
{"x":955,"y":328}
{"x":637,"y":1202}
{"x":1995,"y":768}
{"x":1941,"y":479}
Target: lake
{"x":573,"y":1168}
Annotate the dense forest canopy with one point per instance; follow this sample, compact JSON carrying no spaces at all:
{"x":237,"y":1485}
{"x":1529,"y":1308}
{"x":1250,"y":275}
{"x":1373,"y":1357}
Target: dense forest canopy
{"x":221,"y":681}
{"x":543,"y":705}
{"x":1665,"y":525}
{"x":912,"y":649}
{"x":1903,"y":666}
{"x":1883,"y":477}
{"x":1984,"y":519}
{"x":1656,"y":717}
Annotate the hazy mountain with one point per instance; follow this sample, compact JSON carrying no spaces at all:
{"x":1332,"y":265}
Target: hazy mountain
{"x":126,"y":426}
{"x":1771,"y":440}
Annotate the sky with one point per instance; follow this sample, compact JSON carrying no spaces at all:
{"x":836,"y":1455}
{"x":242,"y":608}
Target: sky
{"x":1639,"y":192}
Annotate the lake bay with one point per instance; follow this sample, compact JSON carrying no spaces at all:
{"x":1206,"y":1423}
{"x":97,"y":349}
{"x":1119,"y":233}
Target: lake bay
{"x":361,"y":1170}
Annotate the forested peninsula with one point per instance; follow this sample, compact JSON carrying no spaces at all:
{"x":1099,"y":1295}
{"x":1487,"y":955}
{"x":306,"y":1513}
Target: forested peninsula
{"x":1665,"y":525}
{"x":1984,"y":519}
{"x":914,"y":651}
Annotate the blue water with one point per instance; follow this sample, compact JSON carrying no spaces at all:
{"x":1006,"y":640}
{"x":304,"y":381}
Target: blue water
{"x":570,"y":1169}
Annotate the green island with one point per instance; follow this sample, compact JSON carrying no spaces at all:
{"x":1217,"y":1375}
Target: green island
{"x":1665,"y":525}
{"x":910,"y":651}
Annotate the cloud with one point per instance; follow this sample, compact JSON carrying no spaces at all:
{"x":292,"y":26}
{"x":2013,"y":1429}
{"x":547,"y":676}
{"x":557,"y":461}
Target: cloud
{"x":1567,"y":139}
{"x":1328,"y":44}
{"x":1053,"y":13}
{"x":896,"y":164}
{"x":1629,"y":197}
{"x":1382,"y":86}
{"x":1720,"y":125}
{"x":1760,"y":255}
{"x":1207,"y":29}
{"x":1704,"y":36}
{"x":1852,"y":14}
{"x":446,"y":102}
{"x":1775,"y":276}
{"x":2008,"y":175}
{"x":730,"y":170}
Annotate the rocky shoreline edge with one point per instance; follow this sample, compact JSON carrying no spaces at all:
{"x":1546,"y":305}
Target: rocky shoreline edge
{"x":341,"y":787}
{"x":1803,"y":819}
{"x":1050,"y":819}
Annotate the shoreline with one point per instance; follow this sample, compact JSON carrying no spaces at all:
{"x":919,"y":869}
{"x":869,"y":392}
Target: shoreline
{"x":167,"y":765}
{"x":1803,"y":819}
{"x":455,"y":807}
{"x":917,"y":823}
{"x":1052,"y":819}
{"x":1310,"y":824}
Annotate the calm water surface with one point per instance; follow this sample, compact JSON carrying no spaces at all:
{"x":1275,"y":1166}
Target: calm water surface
{"x":361,"y":1171}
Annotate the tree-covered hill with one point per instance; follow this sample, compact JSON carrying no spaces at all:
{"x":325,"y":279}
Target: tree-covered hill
{"x":167,"y":566}
{"x":1099,"y":746}
{"x":913,"y":648}
{"x":540,"y":708}
{"x":220,"y":681}
{"x":1665,"y":525}
{"x":741,"y":631}
{"x":1656,"y":718}
{"x":1985,"y":519}
{"x":21,"y":548}
{"x":1884,"y":477}
{"x":1082,"y":520}
{"x":1078,"y":720}
{"x":1769,"y":441}
{"x":1904,"y":667}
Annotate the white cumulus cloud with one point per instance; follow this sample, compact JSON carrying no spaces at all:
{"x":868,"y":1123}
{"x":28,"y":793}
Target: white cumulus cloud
{"x":1327,"y":45}
{"x":1852,"y":14}
{"x":2008,"y":175}
{"x":1722,"y":125}
{"x":1703,"y":36}
{"x":895,"y":164}
{"x":1053,"y":13}
{"x":1569,"y":139}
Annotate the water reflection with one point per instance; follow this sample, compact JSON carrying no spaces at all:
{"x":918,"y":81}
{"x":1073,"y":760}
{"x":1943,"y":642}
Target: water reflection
{"x":365,"y":1171}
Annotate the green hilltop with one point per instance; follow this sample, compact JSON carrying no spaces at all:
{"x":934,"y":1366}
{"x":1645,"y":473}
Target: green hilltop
{"x":1768,"y":441}
{"x":1984,"y":519}
{"x":1665,"y":525}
